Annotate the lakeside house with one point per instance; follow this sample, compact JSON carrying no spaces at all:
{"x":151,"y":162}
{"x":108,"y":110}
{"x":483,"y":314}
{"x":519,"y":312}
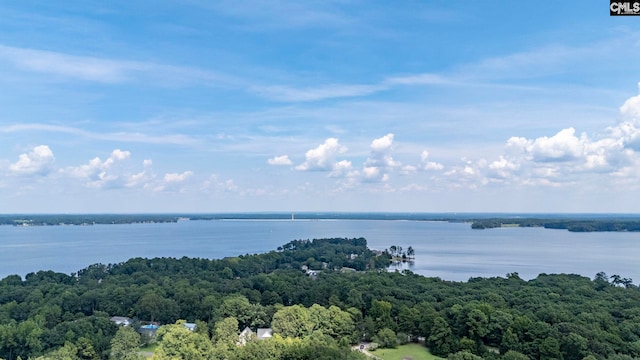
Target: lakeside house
{"x":265,"y":333}
{"x":247,"y":334}
{"x":121,"y":320}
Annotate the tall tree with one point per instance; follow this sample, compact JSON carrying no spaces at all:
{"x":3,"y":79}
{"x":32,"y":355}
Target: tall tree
{"x":125,"y":345}
{"x":177,"y":342}
{"x":226,"y":332}
{"x":410,"y":252}
{"x":292,"y":321}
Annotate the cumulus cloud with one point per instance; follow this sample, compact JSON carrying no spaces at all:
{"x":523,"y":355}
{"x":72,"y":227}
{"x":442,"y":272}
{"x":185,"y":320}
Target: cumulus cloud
{"x":177,"y":177}
{"x":280,"y":160}
{"x":322,"y":158}
{"x":38,"y":161}
{"x":382,"y":144}
{"x":562,"y":146}
{"x":142,"y":178}
{"x":427,"y":164}
{"x":342,"y":168}
{"x":502,"y":168}
{"x":380,"y":161}
{"x":174,"y":181}
{"x":630,"y":110}
{"x":565,"y":158}
{"x":213,"y":183}
{"x":98,"y":173}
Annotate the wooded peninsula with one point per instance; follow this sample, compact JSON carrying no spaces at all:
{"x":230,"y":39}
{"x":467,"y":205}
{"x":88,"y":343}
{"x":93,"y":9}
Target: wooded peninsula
{"x":314,"y":299}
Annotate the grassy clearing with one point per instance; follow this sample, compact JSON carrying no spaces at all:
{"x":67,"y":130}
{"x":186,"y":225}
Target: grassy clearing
{"x":148,"y":350}
{"x":412,"y":351}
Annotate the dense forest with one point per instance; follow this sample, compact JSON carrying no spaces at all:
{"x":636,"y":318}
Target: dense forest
{"x":319,"y":297}
{"x":576,"y":225}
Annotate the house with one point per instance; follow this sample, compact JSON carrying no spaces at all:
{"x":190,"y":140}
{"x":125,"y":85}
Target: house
{"x":149,"y":329}
{"x":190,"y":326}
{"x":121,"y":320}
{"x":265,"y":333}
{"x":245,"y":336}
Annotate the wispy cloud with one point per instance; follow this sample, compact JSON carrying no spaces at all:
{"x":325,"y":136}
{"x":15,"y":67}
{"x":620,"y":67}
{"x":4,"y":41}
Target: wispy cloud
{"x":261,"y":16}
{"x":129,"y":137}
{"x":109,"y":71}
{"x":292,"y":94}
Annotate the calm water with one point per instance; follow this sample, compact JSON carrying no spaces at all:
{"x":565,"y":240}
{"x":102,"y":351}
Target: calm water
{"x":451,"y":251}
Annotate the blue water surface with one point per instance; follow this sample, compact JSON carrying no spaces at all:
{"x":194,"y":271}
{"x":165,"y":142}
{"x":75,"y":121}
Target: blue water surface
{"x":451,"y":251}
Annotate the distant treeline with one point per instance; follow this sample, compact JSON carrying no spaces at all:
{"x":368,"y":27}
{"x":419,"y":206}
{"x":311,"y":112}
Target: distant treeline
{"x":571,"y":222}
{"x":581,"y":225}
{"x":85,"y":219}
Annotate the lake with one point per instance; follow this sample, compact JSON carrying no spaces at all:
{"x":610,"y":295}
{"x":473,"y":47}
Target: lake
{"x":451,"y":251}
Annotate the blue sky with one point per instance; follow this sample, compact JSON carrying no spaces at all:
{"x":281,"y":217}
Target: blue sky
{"x":213,"y":106}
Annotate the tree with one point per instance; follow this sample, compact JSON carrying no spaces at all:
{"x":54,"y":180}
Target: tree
{"x":477,"y":324}
{"x":510,"y":342}
{"x":574,"y":346}
{"x":125,"y":344}
{"x":67,"y":352}
{"x":386,"y":338}
{"x":226,"y":331}
{"x":408,"y":320}
{"x":441,"y":341}
{"x":239,"y":307}
{"x":550,"y":349}
{"x":464,"y":355}
{"x":410,"y":252}
{"x":514,"y":355}
{"x":28,"y":339}
{"x":340,"y":323}
{"x":380,"y":312}
{"x":177,"y":342}
{"x":292,"y":321}
{"x":154,"y":307}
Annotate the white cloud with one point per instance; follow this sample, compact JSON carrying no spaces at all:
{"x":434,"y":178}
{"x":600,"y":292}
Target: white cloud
{"x":380,"y":161}
{"x":418,"y":79}
{"x":382,"y":144}
{"x":429,"y":165}
{"x":280,"y":160}
{"x":502,"y":168}
{"x":213,"y":183}
{"x":292,"y":94}
{"x":562,"y":146}
{"x":177,"y":177}
{"x":143,"y":178}
{"x":98,"y":173}
{"x":110,"y":71}
{"x":322,"y":158}
{"x":128,"y":137}
{"x":371,"y":173}
{"x":38,"y":161}
{"x":342,"y":168}
{"x":630,"y":110}
{"x":380,"y":156}
{"x":565,"y":159}
{"x":174,"y":182}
